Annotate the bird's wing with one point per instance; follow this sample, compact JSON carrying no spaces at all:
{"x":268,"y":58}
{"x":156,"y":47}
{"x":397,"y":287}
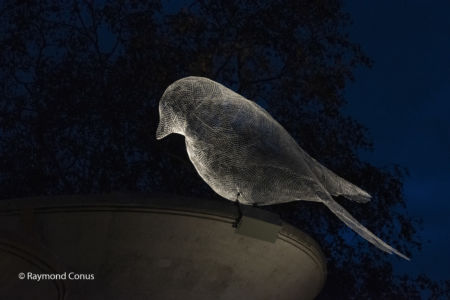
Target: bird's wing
{"x":248,"y":129}
{"x":336,"y":185}
{"x":351,"y":222}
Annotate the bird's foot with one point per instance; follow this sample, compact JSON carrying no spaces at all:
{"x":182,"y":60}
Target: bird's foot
{"x":238,"y":219}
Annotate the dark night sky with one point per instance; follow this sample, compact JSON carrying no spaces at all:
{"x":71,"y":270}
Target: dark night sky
{"x":404,"y":101}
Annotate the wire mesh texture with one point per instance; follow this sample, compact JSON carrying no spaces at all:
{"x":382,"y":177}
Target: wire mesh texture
{"x":245,"y":155}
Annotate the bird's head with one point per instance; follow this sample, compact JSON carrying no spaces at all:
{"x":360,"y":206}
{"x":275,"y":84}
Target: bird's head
{"x":179,"y":102}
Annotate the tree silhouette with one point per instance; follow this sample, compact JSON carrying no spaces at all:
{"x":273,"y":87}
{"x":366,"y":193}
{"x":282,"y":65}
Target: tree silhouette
{"x":80,"y":84}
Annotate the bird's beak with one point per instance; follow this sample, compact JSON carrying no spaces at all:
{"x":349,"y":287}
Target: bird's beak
{"x":162,"y":131}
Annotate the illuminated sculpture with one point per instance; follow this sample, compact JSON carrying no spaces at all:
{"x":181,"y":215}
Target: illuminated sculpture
{"x":244,"y":155}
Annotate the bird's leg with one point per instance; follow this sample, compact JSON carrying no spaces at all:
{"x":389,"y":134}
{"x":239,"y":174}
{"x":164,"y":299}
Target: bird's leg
{"x":238,"y":219}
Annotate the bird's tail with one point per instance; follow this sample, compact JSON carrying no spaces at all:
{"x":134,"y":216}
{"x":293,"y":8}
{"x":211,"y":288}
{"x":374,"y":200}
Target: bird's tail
{"x":336,"y":185}
{"x":351,"y":222}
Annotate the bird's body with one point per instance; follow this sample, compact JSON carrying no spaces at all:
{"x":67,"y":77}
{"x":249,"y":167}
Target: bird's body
{"x":243,"y":154}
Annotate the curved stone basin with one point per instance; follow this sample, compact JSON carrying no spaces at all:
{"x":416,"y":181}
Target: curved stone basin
{"x":129,"y":246}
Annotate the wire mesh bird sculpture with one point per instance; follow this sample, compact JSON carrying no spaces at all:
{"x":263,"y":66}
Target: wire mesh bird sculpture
{"x":245,"y":155}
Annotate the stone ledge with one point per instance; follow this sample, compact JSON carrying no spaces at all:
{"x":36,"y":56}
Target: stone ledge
{"x":160,"y":246}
